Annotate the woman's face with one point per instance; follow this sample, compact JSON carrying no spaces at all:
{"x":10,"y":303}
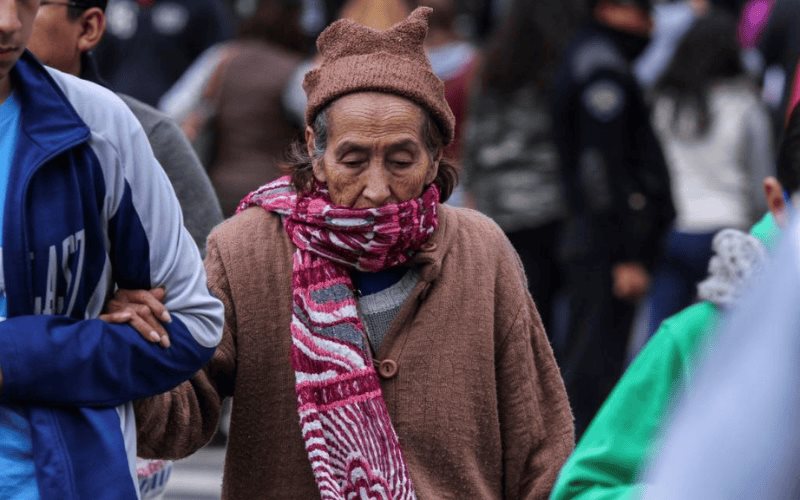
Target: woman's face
{"x":376,"y":152}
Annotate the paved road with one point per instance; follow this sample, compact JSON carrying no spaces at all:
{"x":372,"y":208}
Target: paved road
{"x":198,"y":477}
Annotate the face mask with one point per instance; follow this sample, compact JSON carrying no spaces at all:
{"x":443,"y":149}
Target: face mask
{"x":633,"y":45}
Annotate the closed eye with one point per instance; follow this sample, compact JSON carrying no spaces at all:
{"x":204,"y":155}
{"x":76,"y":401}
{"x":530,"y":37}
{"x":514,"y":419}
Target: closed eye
{"x":353,"y":163}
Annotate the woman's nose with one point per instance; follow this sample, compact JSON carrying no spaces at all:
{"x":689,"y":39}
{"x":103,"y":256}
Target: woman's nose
{"x":376,"y":184}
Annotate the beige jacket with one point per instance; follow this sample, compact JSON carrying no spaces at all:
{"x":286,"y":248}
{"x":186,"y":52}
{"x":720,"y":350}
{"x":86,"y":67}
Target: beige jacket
{"x":477,"y":399}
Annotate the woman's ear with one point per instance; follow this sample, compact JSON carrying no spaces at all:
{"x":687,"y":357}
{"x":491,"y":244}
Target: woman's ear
{"x":776,"y":203}
{"x":433,"y":171}
{"x":311,"y":147}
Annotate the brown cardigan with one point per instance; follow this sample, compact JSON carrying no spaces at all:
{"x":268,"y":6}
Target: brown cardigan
{"x":477,"y":400}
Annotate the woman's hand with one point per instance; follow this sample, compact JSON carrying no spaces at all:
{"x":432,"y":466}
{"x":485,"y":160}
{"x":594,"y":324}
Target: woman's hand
{"x":143,"y":310}
{"x":631,"y":281}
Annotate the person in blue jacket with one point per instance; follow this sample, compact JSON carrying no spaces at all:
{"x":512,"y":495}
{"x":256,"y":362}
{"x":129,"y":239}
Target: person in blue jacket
{"x":84,"y":209}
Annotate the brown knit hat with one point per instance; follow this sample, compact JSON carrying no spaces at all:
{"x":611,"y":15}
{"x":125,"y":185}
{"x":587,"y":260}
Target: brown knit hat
{"x":359,"y":59}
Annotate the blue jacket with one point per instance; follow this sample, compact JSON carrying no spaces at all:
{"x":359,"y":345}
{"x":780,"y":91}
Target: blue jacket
{"x":89,"y":209}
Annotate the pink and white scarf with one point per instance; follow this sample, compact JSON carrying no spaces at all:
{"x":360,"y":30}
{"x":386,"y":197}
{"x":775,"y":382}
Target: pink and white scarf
{"x":351,"y":443}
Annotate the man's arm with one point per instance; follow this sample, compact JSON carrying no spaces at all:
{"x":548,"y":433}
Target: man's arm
{"x":49,"y":359}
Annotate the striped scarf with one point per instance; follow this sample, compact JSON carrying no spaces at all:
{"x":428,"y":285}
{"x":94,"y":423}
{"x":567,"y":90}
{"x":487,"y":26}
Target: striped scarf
{"x":349,"y":437}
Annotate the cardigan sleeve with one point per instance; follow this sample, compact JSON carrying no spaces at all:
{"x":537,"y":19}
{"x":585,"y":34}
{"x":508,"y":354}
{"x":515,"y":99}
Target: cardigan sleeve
{"x":612,"y":452}
{"x":535,"y":417}
{"x":175,"y":424}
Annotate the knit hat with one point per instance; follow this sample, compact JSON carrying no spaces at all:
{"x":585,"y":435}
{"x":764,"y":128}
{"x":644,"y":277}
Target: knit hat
{"x":355,"y":58}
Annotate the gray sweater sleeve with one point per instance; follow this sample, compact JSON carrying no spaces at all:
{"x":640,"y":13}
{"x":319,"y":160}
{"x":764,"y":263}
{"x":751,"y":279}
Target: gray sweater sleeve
{"x":199,"y":203}
{"x":759,"y":155}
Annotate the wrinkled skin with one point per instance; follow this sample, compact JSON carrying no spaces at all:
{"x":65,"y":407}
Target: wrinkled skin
{"x":376,"y":153}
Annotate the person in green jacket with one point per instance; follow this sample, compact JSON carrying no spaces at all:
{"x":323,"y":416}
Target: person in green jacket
{"x":620,"y":440}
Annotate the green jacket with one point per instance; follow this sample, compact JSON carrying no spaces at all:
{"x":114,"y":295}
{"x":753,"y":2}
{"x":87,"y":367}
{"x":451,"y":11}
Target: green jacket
{"x":618,"y":443}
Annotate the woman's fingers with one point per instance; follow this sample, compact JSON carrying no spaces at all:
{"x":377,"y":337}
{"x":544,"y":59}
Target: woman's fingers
{"x":146,"y":330}
{"x":132,"y":318}
{"x":117,"y":317}
{"x":143,"y":310}
{"x":151,"y":299}
{"x":141,"y":318}
{"x":145,"y":313}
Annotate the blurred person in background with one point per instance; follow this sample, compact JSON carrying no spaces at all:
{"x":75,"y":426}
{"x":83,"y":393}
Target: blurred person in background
{"x":396,"y":349}
{"x":63,"y":37}
{"x":510,"y":159}
{"x":150,"y":43}
{"x":717,"y":139}
{"x":618,"y":196}
{"x":229,"y":102}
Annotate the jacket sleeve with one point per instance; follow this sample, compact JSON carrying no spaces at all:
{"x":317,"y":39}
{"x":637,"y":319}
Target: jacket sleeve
{"x":178,"y":423}
{"x":535,"y":416}
{"x":758,"y":156}
{"x":201,"y":209}
{"x":616,"y":446}
{"x":86,"y":361}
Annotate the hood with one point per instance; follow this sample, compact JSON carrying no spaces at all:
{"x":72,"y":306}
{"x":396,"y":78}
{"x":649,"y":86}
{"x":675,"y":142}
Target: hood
{"x":736,"y":256}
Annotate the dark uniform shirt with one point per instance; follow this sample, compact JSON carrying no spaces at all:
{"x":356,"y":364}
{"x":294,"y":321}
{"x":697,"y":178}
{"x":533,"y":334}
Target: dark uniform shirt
{"x":616,"y":180}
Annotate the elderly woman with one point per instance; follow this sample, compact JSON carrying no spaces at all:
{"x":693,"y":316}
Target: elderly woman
{"x":377,"y":343}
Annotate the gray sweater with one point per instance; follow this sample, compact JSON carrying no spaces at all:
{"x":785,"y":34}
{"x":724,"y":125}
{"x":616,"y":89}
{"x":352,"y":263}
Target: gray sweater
{"x":378,"y":310}
{"x":716,"y":178}
{"x":201,"y":210}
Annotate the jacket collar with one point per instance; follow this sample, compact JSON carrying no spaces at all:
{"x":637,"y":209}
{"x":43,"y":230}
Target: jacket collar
{"x":49,"y":124}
